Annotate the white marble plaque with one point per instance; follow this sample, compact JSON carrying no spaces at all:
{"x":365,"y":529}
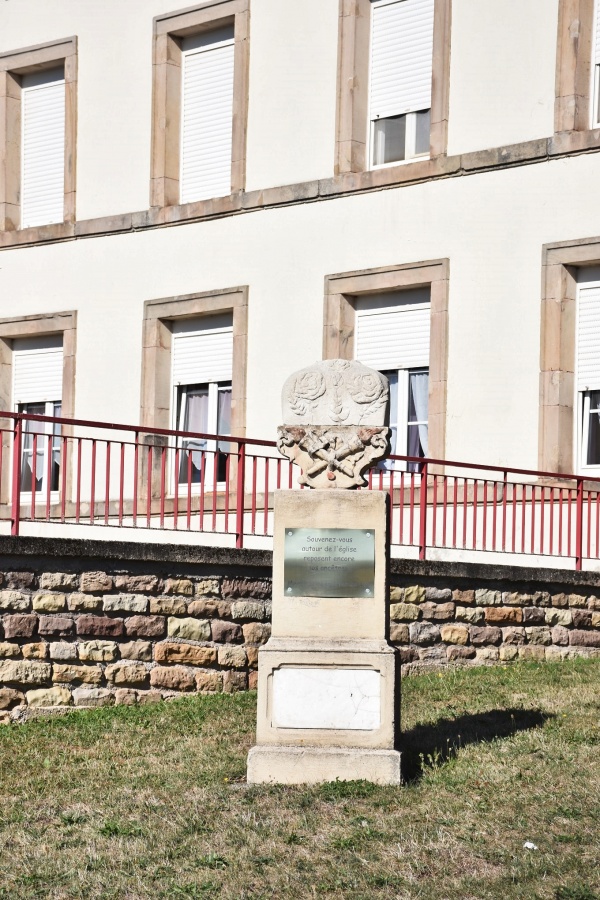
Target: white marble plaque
{"x":348,"y":699}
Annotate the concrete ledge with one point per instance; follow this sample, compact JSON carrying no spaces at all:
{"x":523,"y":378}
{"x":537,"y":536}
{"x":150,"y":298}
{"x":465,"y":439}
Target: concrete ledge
{"x":312,"y":765}
{"x":458,"y":571}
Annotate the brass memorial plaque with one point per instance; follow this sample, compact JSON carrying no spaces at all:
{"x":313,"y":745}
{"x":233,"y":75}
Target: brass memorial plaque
{"x":329,"y":562}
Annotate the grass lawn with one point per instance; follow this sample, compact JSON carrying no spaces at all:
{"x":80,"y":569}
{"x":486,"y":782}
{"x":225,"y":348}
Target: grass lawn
{"x":150,"y":802}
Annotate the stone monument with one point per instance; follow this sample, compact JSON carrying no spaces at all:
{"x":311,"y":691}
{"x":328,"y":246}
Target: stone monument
{"x":327,"y":678}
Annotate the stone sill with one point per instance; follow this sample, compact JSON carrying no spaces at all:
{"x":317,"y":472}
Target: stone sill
{"x":558,"y":146}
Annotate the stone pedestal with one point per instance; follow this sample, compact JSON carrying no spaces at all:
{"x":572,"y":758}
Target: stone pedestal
{"x":327,"y":679}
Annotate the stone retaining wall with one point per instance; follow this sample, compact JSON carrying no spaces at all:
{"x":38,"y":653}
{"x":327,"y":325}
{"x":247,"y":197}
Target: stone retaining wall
{"x":91,"y":623}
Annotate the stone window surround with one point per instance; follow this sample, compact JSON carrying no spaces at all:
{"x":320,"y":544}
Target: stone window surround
{"x":12,"y":66}
{"x":572,"y":111}
{"x":166,"y":92}
{"x":351,"y":151}
{"x":557,"y":417}
{"x":64,"y":323}
{"x":339,"y":318}
{"x":156,"y":397}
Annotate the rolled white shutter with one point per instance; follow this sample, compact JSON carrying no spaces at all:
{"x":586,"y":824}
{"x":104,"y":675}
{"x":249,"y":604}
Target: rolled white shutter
{"x":588,"y":339}
{"x":401,"y":57}
{"x":43,"y":149}
{"x":393,"y":334}
{"x":37,"y":370}
{"x":206,"y":119}
{"x":203,"y":350}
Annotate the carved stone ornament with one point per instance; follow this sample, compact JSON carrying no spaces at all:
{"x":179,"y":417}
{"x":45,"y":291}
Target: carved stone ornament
{"x":336,"y":415}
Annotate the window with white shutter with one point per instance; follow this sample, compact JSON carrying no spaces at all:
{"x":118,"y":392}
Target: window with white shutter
{"x":206,"y":115}
{"x":43,"y":148}
{"x":400,"y":79}
{"x":37,"y":390}
{"x":202,"y":360}
{"x":587,"y":367}
{"x":392,"y":336}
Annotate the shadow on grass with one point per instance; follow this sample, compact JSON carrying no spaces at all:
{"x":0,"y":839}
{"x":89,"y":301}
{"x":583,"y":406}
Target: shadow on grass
{"x":439,"y":742}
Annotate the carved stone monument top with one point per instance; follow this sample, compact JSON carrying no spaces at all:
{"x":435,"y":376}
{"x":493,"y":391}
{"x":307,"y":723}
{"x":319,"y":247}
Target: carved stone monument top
{"x":335,"y":415}
{"x":336,"y":392}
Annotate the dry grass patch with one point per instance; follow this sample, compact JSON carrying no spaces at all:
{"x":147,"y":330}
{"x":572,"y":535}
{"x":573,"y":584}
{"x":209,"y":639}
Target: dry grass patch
{"x":150,"y":802}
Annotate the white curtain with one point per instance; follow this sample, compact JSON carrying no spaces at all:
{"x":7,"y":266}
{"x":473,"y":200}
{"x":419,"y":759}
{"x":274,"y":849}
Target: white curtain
{"x":419,"y":387}
{"x":196,"y":419}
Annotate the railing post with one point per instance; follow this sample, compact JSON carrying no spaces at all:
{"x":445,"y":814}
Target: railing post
{"x":240,"y":495}
{"x":423,"y":514}
{"x":16,"y":478}
{"x":579,"y":527}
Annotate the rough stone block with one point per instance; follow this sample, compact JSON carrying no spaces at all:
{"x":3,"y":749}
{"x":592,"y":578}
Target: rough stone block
{"x":560,"y":601}
{"x":487,"y":654}
{"x":93,"y":697}
{"x":209,"y":682}
{"x":49,"y":603}
{"x":596,"y":620}
{"x":150,"y":696}
{"x":8,"y":650}
{"x":396,"y":594}
{"x":54,"y":696}
{"x":145,"y":626}
{"x":208,"y":587}
{"x":593,"y":603}
{"x":582,"y":618}
{"x":137,"y":584}
{"x":181,"y":586}
{"x":95,"y":582}
{"x":424,"y":633}
{"x":63,"y":650}
{"x":533,"y":615}
{"x":437,"y":612}
{"x":56,"y":581}
{"x":560,"y":635}
{"x":19,"y":626}
{"x":408,"y":612}
{"x":77,"y":602}
{"x":229,"y":632}
{"x":464,"y":598}
{"x":138,"y":650}
{"x":513,"y":636}
{"x":122,"y":673}
{"x":457,"y":652}
{"x":414,"y":594}
{"x":584,"y":638}
{"x":438,"y":595}
{"x":258,"y":589}
{"x":255,"y":633}
{"x":190,"y":654}
{"x":173,"y":678}
{"x":455,"y":634}
{"x":55,"y":625}
{"x":532,"y":653}
{"x":484,"y":635}
{"x":432,"y":654}
{"x":248,"y":609}
{"x":98,"y":651}
{"x":554,"y":654}
{"x":235,"y":657}
{"x":24,"y":672}
{"x":578,"y":601}
{"x":209,"y":609}
{"x":189,"y":629}
{"x":37,"y":650}
{"x":513,"y":598}
{"x":14,"y":601}
{"x":234,"y":682}
{"x":66,"y":674}
{"x":484,"y":597}
{"x":503,"y":615}
{"x":9,"y":698}
{"x":135,"y":603}
{"x":125,"y":697}
{"x":471,"y":614}
{"x":407,"y":654}
{"x":538,"y":634}
{"x":18,"y":581}
{"x":168,"y":606}
{"x":399,"y":634}
{"x":562,"y":617}
{"x":102,"y":626}
{"x":508,"y":653}
{"x":252,"y":681}
{"x":252,"y":654}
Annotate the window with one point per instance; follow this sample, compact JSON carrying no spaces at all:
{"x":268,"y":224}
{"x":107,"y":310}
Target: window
{"x":202,"y":373}
{"x":37,"y":390}
{"x":37,"y":136}
{"x":588,"y":366}
{"x":392,"y":335}
{"x":200,"y":103}
{"x":400,"y":79}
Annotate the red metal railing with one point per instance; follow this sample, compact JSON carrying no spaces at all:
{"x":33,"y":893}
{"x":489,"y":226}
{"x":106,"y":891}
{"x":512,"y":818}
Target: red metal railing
{"x":77,"y":472}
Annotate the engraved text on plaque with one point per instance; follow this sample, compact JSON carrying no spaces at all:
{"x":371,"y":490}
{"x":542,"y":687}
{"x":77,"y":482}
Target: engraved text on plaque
{"x":329,"y":562}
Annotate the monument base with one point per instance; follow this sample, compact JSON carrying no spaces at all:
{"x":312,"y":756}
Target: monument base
{"x":314,"y":765}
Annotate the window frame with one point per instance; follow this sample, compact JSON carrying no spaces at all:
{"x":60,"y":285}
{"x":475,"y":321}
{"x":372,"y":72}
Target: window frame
{"x":13,"y":65}
{"x":575,"y":76}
